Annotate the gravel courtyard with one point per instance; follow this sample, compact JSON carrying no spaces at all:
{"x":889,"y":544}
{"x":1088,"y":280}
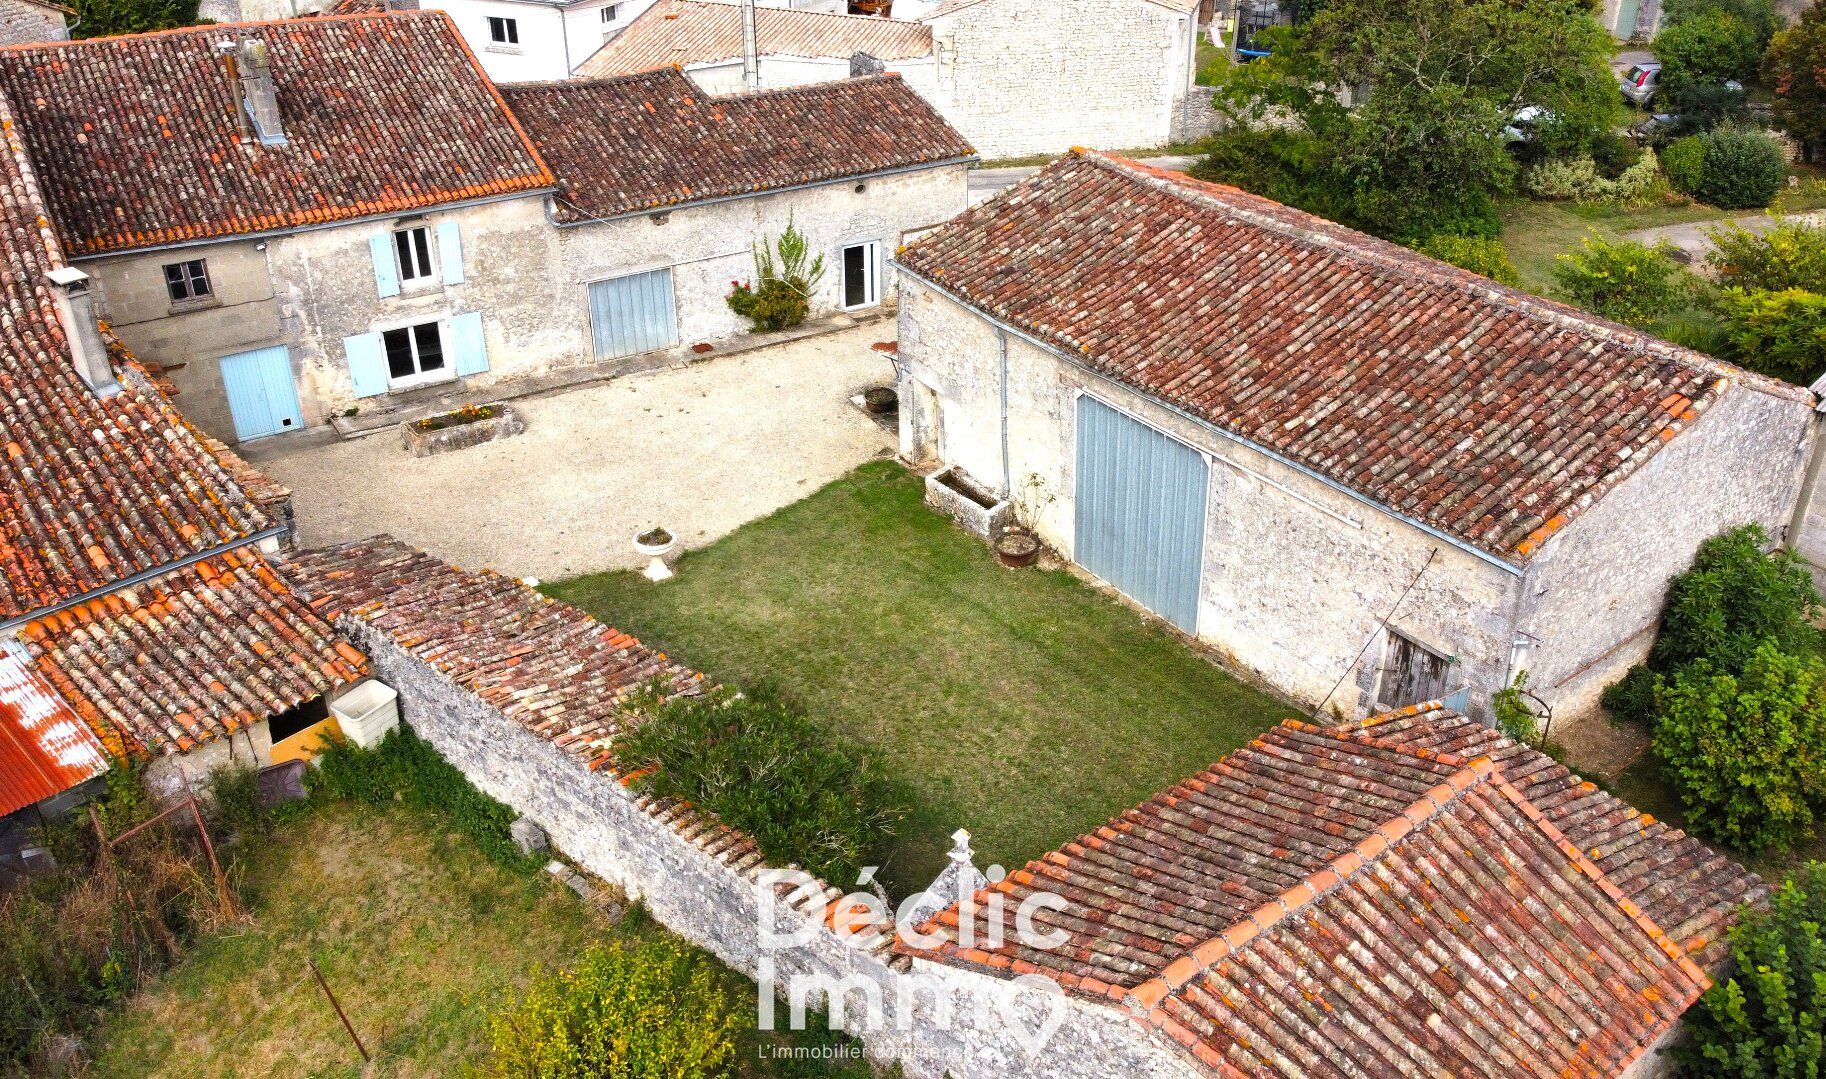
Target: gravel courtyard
{"x":700,"y":450}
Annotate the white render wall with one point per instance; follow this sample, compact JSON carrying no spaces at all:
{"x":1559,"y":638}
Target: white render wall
{"x":710,"y":246}
{"x":553,"y":40}
{"x":1297,"y":574}
{"x":1594,"y":591}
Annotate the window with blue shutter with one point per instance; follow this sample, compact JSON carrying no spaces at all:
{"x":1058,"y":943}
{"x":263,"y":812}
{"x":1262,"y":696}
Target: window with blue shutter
{"x":467,"y":342}
{"x":367,"y":364}
{"x":450,"y":251}
{"x":386,"y":270}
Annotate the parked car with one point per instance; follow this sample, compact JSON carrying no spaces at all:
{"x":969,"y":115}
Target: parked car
{"x":1526,"y":122}
{"x":1639,"y":82}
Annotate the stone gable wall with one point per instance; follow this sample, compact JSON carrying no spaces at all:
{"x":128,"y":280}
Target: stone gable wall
{"x":698,"y":882}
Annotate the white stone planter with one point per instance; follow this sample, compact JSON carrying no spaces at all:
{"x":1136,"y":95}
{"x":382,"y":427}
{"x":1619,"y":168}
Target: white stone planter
{"x":951,"y":492}
{"x":656,"y":553}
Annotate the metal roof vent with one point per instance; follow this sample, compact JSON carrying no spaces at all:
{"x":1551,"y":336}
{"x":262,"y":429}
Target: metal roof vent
{"x":250,"y":74}
{"x":75,"y":300}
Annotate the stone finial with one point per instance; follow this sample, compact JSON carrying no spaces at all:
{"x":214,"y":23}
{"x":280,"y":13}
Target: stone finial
{"x":960,"y":851}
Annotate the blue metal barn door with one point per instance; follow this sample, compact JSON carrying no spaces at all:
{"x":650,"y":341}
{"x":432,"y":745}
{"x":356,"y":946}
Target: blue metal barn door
{"x":1141,"y":511}
{"x":633,"y":314}
{"x":260,"y":392}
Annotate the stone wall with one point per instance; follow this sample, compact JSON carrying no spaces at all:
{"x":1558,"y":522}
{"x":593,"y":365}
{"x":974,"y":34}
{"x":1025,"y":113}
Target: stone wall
{"x":699,"y":880}
{"x":177,"y":774}
{"x":1594,"y":590}
{"x":1023,"y":78}
{"x":1297,"y":574}
{"x":22,"y":22}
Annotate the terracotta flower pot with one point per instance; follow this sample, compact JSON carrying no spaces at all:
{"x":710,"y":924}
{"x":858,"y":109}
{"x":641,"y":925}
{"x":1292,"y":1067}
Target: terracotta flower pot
{"x":1017,"y":549}
{"x":881,"y":399}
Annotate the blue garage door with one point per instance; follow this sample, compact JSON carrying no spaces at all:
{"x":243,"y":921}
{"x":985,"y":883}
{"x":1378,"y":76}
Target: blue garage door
{"x":260,"y":392}
{"x":633,"y":314}
{"x":1141,"y":511}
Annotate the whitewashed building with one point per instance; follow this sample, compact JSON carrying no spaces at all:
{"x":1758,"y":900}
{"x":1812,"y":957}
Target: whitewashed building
{"x":1372,"y":478}
{"x":1016,"y":77}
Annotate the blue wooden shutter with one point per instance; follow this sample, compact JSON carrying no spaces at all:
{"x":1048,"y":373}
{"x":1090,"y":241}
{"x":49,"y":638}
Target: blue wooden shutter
{"x":367,"y":363}
{"x":450,"y":251}
{"x":467,"y":342}
{"x":386,"y":270}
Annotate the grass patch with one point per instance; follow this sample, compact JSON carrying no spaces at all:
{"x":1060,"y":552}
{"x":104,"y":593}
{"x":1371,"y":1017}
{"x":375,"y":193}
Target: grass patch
{"x":422,"y":937}
{"x":1022,"y":705}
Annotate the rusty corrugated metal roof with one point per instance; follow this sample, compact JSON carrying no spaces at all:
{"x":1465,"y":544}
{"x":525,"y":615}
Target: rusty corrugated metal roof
{"x":44,"y":748}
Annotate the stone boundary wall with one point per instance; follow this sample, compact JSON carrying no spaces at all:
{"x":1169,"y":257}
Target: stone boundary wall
{"x":698,"y":878}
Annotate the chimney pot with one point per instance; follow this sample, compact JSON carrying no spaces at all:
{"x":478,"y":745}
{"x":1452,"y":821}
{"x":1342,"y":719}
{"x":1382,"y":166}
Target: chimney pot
{"x":258,"y":96}
{"x":81,"y":327}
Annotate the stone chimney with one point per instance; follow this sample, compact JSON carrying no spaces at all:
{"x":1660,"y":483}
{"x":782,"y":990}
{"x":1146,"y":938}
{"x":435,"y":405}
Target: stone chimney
{"x":250,"y":73}
{"x":76,"y":310}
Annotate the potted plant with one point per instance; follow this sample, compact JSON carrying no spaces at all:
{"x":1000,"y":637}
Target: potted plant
{"x":655,"y":544}
{"x":1017,"y":547}
{"x":881,"y":399}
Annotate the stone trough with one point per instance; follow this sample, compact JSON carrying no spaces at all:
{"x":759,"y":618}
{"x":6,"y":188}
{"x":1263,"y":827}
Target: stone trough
{"x":951,"y":492}
{"x":461,"y":428}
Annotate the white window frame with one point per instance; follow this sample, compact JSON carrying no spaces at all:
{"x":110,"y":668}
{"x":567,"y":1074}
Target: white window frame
{"x":611,"y":13}
{"x":446,"y":373}
{"x":507,"y":25}
{"x":872,"y":275}
{"x":407,"y":278}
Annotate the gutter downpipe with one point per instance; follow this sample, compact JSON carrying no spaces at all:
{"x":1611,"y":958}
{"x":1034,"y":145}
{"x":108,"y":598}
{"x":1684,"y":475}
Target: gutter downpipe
{"x":1001,"y":340}
{"x":1229,"y":436}
{"x":1811,"y":474}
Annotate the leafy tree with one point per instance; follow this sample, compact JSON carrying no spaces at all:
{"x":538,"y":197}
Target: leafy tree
{"x":101,"y":18}
{"x":1746,"y":752}
{"x":1709,"y":47}
{"x":1795,"y":70}
{"x":642,"y":1011}
{"x":1769,"y":1017}
{"x":1737,"y":595}
{"x":1781,"y":334}
{"x":1399,"y":107}
{"x":1790,"y":255}
{"x":1759,"y":15}
{"x":1622,"y":280}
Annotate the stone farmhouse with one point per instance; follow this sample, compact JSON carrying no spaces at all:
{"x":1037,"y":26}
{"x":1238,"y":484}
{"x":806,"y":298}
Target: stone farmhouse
{"x":1116,"y":74}
{"x":1282,"y":436}
{"x":392,"y":230}
{"x":33,"y":20}
{"x":138,"y":612}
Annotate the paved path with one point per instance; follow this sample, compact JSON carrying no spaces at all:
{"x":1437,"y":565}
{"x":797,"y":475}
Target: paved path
{"x":987,"y":182}
{"x":700,"y":450}
{"x":1691,"y":238}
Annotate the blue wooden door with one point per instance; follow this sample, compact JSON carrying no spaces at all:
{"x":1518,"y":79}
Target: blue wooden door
{"x":1626,"y":18}
{"x":260,"y":392}
{"x":1140,"y":522}
{"x":633,"y":314}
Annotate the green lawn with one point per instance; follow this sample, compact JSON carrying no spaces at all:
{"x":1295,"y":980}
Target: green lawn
{"x":1022,"y":705}
{"x":421,"y":937}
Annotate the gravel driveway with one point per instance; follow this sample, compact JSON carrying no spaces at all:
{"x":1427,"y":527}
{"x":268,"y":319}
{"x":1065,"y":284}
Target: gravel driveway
{"x":700,"y":450}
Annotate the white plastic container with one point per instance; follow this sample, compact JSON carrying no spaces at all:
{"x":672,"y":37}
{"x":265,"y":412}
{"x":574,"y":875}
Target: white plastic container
{"x":367,"y":712}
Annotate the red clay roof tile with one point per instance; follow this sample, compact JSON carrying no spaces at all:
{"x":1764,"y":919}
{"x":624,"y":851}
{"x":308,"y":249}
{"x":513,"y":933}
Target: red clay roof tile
{"x":686,"y":32}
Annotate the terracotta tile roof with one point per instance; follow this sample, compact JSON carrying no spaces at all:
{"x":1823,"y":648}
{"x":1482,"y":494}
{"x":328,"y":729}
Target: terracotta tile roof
{"x":546,"y":665}
{"x":191,"y":656}
{"x":656,"y":139}
{"x":91,"y":489}
{"x":1324,"y":902}
{"x":44,"y":748}
{"x":1472,"y":408}
{"x":1689,"y":889}
{"x":136,"y":145}
{"x":690,"y":32}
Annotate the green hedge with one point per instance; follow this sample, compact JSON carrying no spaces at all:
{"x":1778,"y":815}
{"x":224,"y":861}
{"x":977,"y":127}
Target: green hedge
{"x":405,"y":768}
{"x":1743,"y":169}
{"x":1769,"y":1017}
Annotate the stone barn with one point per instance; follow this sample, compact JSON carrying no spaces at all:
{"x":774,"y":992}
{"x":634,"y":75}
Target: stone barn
{"x":1372,"y":478}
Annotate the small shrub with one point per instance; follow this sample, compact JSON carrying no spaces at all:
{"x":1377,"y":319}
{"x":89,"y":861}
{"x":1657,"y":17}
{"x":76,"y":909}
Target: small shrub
{"x":1513,"y":716}
{"x":235,"y":790}
{"x":1769,"y":1017}
{"x":1579,"y":179}
{"x":786,"y":276}
{"x":1790,"y":255}
{"x":1735,"y":597}
{"x":642,"y":1011}
{"x":1622,"y":280}
{"x":1782,"y":334}
{"x":766,"y":770}
{"x":1743,"y":169}
{"x":1635,"y":697}
{"x":1478,"y":254}
{"x":1746,"y":752}
{"x":1684,"y":160}
{"x":405,"y":768}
